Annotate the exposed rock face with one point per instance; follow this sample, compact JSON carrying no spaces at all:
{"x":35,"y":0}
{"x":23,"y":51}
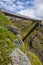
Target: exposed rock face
{"x":19,"y":58}
{"x":13,"y":29}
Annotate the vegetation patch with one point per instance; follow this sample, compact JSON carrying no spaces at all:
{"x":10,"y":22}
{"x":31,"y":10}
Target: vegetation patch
{"x":34,"y":59}
{"x":6,"y":45}
{"x":4,"y":21}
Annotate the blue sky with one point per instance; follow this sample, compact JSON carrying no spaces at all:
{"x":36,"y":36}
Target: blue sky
{"x":31,"y":8}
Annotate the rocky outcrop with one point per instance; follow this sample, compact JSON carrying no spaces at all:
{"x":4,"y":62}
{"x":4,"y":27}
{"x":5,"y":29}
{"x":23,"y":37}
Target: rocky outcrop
{"x":19,"y":58}
{"x":13,"y":29}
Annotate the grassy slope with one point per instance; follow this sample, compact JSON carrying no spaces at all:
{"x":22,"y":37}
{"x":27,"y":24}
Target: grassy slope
{"x":6,"y":42}
{"x":22,"y":24}
{"x":38,"y":48}
{"x":6,"y":45}
{"x":34,"y":59}
{"x":3,"y":20}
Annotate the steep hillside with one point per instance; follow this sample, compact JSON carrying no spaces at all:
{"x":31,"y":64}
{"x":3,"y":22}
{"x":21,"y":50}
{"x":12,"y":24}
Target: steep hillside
{"x":35,"y":38}
{"x":6,"y":45}
{"x":6,"y":40}
{"x":9,"y":41}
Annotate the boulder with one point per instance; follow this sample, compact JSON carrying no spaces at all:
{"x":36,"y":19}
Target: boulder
{"x":19,"y":58}
{"x":13,"y":29}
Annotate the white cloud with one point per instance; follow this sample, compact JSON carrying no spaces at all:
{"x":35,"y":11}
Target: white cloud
{"x":20,"y":3}
{"x":1,"y":3}
{"x":36,"y":11}
{"x":13,"y":6}
{"x":39,"y":12}
{"x":28,"y":12}
{"x":6,"y":0}
{"x":10,"y":7}
{"x":20,"y":7}
{"x":38,"y":5}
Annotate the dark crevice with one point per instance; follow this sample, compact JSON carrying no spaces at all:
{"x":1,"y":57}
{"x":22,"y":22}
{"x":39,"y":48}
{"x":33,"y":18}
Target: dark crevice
{"x":30,"y":31}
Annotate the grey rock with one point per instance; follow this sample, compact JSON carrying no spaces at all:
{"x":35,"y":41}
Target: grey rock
{"x":19,"y":58}
{"x":13,"y":29}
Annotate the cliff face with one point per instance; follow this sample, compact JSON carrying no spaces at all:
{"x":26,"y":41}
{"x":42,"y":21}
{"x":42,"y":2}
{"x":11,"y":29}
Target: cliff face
{"x":11,"y":45}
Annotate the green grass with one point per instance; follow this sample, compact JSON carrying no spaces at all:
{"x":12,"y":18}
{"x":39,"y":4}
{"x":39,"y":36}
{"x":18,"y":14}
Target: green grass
{"x":21,"y":24}
{"x":4,"y":33}
{"x":4,"y":20}
{"x":6,"y":45}
{"x":23,"y":33}
{"x":34,"y":59}
{"x":6,"y":40}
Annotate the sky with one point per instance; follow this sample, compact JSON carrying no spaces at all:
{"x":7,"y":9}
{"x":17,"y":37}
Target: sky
{"x":30,"y":8}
